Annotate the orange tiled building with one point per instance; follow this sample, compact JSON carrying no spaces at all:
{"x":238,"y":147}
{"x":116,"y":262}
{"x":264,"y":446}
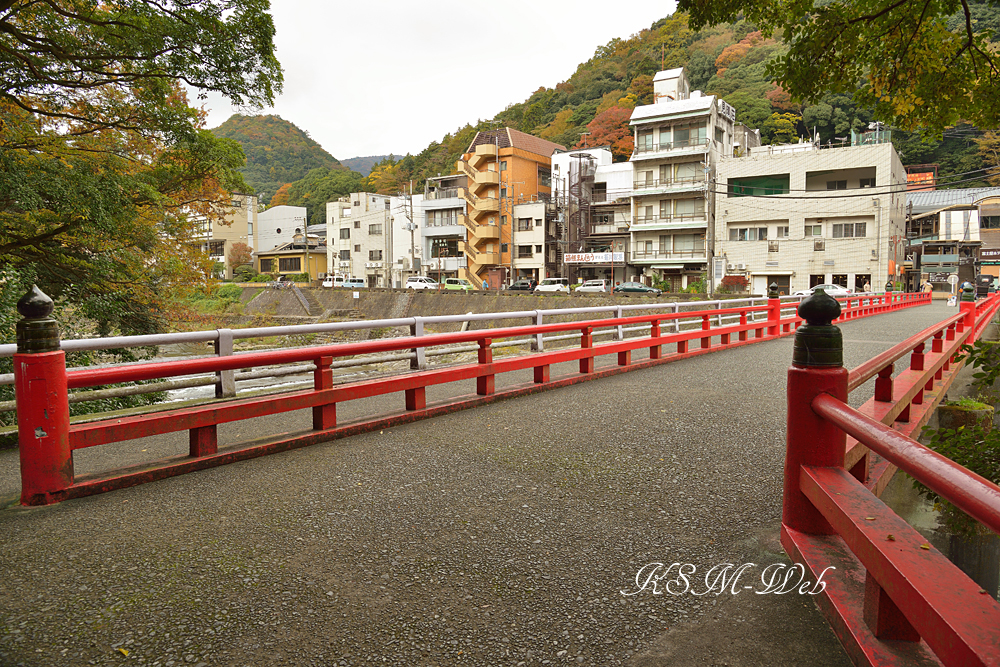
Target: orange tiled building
{"x":504,"y":167}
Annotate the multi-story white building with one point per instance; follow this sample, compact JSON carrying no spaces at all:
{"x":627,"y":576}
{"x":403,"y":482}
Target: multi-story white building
{"x":529,"y":239}
{"x":678,"y":141}
{"x":444,"y":228}
{"x":799,"y":216}
{"x":368,"y":237}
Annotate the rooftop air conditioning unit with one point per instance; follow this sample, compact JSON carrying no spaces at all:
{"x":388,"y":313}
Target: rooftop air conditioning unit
{"x":741,"y":267}
{"x":730,"y":267}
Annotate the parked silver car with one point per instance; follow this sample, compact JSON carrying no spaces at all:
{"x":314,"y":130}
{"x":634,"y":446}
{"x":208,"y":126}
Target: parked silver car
{"x":594,"y":286}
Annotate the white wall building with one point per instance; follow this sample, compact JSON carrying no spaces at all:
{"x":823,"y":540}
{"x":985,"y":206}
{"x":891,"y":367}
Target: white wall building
{"x":441,"y":216}
{"x":277,"y":225}
{"x":678,"y":141}
{"x":529,"y":239}
{"x":809,"y":216}
{"x":367,"y":237}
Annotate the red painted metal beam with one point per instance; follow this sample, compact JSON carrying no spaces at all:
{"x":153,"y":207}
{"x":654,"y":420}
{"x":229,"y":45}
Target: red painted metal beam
{"x":946,"y":608}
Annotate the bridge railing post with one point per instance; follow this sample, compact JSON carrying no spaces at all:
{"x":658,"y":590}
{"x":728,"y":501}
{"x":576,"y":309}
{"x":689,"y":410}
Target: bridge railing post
{"x":419,"y":362}
{"x":773,"y":310}
{"x":42,"y":396}
{"x":538,"y":344}
{"x":485,"y":383}
{"x":817,"y":368}
{"x":968,"y":308}
{"x":225,"y":381}
{"x":619,"y":330}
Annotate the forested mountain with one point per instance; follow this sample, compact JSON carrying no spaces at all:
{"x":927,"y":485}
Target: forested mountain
{"x":277,"y":151}
{"x":363,"y":165}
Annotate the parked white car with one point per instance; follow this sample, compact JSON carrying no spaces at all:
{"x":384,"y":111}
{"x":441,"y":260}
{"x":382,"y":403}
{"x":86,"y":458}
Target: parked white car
{"x":420,"y":282}
{"x":836,"y":291}
{"x":594,"y":286}
{"x":553,"y":285}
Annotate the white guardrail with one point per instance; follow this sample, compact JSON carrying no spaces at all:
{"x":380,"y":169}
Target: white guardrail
{"x":226,"y":382}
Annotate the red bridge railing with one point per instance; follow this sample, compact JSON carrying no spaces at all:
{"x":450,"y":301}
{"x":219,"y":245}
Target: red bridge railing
{"x":47,"y":440}
{"x":893,"y":599}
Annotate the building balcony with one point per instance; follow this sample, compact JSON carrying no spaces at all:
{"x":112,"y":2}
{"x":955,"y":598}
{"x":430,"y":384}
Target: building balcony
{"x":650,"y":187}
{"x":485,"y":205}
{"x":619,"y":228}
{"x":659,"y":223}
{"x":448,"y":193}
{"x":485,"y":232}
{"x":653,"y":151}
{"x":436,"y":231}
{"x":641,"y":256}
{"x":444,"y":263}
{"x":484,"y":153}
{"x":938,"y":260}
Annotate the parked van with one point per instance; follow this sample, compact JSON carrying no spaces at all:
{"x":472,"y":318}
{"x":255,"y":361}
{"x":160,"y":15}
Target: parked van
{"x":355,"y":283}
{"x":460,"y":284}
{"x":336,"y":280}
{"x":553,"y":285}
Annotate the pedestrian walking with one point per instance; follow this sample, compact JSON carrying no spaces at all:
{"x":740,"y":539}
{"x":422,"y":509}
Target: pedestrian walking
{"x":486,"y":286}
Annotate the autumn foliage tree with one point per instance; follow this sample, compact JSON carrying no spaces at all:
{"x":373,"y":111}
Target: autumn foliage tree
{"x":239,"y":254}
{"x":611,"y":128}
{"x":105,"y":168}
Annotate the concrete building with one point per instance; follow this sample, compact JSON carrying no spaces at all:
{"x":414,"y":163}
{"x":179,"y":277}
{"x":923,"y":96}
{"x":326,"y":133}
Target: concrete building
{"x":303,"y":254}
{"x":503,"y":168}
{"x":278,"y":225}
{"x":368,"y":237}
{"x":800,"y":215}
{"x":445,"y":228}
{"x":679,"y":139}
{"x":529,"y":240}
{"x":237,"y":225}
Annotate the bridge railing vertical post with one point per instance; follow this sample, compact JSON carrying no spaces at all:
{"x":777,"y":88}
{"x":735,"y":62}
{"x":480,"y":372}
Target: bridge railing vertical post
{"x":587,"y":343}
{"x":773,"y":310}
{"x":485,"y":383}
{"x":325,"y":416}
{"x":968,"y":308}
{"x":42,"y":396}
{"x":225,"y":381}
{"x":817,"y":368}
{"x":419,"y":362}
{"x":619,"y":330}
{"x":538,"y":344}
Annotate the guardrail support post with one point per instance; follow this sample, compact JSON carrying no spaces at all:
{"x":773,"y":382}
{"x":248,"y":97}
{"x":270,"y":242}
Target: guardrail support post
{"x":538,"y":344}
{"x":225,"y":381}
{"x":706,"y":325}
{"x":203,"y":441}
{"x":324,"y":416}
{"x":883,"y":384}
{"x":619,"y":330}
{"x":587,"y":343}
{"x":677,"y":320}
{"x":773,"y":310}
{"x":42,"y":403}
{"x":817,"y":368}
{"x":743,"y":323}
{"x":419,"y":362}
{"x":485,"y":383}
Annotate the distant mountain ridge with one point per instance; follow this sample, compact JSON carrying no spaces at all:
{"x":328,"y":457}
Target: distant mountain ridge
{"x":277,"y":151}
{"x":363,"y":165}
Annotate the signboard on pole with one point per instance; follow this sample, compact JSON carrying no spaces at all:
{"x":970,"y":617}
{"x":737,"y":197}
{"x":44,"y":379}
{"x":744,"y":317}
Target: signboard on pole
{"x":593,"y":257}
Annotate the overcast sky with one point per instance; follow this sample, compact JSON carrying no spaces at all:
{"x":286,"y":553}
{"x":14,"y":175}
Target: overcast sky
{"x":390,"y":76}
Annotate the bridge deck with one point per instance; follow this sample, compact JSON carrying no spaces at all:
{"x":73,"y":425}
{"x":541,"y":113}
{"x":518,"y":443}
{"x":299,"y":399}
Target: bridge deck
{"x":492,"y":536}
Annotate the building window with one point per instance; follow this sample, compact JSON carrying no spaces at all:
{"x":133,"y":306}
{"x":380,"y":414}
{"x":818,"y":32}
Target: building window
{"x":346,"y":254}
{"x":290,"y":264}
{"x":374,"y":255}
{"x":357,"y":248}
{"x":538,"y":222}
{"x":720,"y":135}
{"x":503,"y":220}
{"x":664,"y":243}
{"x":387,"y":204}
{"x":819,"y":244}
{"x":524,"y":225}
{"x":776,"y":184}
{"x":345,"y":233}
{"x":692,"y":208}
{"x":813,"y":230}
{"x":538,"y":248}
{"x":772,"y":246}
{"x":867,"y":182}
{"x":357,"y":224}
{"x":782,"y":232}
{"x":375,"y":230}
{"x":524,"y":251}
{"x":649,"y":247}
{"x":836,"y":185}
{"x":250,"y":229}
{"x":849,"y":230}
{"x":442,"y":217}
{"x":544,"y":178}
{"x":503,"y":193}
{"x":503,"y":165}
{"x":503,"y":247}
{"x":645,"y":141}
{"x":266,"y":265}
{"x":748,"y":233}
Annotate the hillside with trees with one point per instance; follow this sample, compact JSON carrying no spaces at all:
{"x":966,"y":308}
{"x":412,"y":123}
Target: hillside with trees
{"x":277,"y":152}
{"x":363,"y":165}
{"x":731,"y":60}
